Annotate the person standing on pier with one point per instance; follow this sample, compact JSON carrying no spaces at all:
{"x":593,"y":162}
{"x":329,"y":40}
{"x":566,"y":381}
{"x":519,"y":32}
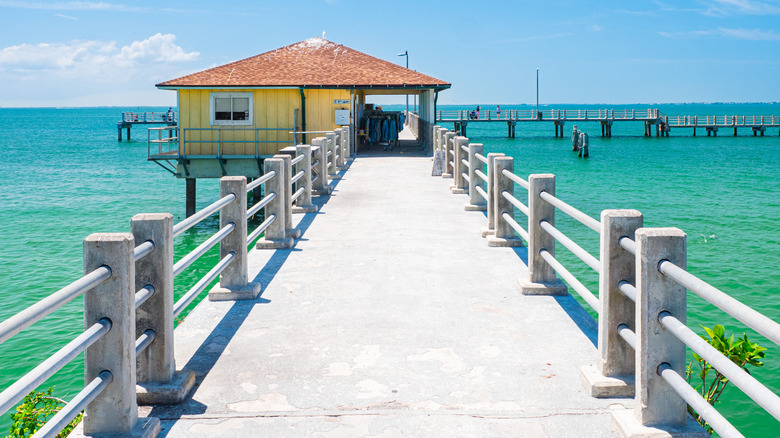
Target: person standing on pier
{"x":498,"y":111}
{"x":477,"y":111}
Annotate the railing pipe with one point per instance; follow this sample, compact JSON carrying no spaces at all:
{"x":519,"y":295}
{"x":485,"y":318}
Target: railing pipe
{"x":515,"y":226}
{"x":201,"y":285}
{"x":260,"y":228}
{"x":696,"y":401}
{"x":201,"y":249}
{"x":143,"y":250}
{"x":16,"y":392}
{"x":583,"y":218}
{"x":628,"y":335}
{"x":44,"y":307}
{"x":191,"y":221}
{"x":262,"y":180}
{"x":82,"y":401}
{"x":587,"y":295}
{"x":577,"y":250}
{"x":744,"y":381}
{"x":143,"y":294}
{"x":144,"y":341}
{"x":260,"y":205}
{"x":516,"y":179}
{"x":716,"y":297}
{"x":304,"y":203}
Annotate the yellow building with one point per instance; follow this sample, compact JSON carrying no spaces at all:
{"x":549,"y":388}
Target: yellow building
{"x":233,"y":116}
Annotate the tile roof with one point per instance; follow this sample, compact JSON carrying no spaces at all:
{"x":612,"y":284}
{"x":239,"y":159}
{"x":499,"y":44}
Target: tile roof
{"x":315,"y":62}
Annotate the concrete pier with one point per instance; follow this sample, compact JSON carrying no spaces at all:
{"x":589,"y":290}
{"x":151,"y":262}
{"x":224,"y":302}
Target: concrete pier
{"x":390,"y":317}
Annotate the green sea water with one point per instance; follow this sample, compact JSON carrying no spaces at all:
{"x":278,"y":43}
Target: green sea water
{"x":64,"y":176}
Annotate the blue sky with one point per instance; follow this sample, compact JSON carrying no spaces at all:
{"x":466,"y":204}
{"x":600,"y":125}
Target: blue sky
{"x":85,"y":53}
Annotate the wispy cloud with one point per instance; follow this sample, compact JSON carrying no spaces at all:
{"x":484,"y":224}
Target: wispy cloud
{"x":68,"y":17}
{"x":596,"y":28}
{"x":722,"y":32}
{"x":723,"y":8}
{"x":68,"y":6}
{"x":92,"y":58}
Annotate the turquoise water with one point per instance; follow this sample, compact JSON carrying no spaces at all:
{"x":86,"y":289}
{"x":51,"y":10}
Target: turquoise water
{"x":64,"y":176}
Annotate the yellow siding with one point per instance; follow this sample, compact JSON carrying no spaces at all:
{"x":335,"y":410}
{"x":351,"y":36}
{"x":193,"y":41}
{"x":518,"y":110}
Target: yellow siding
{"x":320,"y":109}
{"x":272,"y":109}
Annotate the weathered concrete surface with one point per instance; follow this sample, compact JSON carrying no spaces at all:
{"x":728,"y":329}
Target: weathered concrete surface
{"x":390,"y":317}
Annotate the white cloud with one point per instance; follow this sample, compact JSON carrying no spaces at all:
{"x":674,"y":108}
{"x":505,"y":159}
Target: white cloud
{"x":741,"y":7}
{"x":93,"y":57}
{"x":596,"y":28}
{"x":91,"y":72}
{"x":67,"y":6}
{"x":737,"y":34}
{"x":750,"y":34}
{"x":157,"y":48}
{"x":69,"y":17}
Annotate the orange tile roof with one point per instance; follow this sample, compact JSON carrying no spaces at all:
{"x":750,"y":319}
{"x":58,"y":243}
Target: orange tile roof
{"x":315,"y":62}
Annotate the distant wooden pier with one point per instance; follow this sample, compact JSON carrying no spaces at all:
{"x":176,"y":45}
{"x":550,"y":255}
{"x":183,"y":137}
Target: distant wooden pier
{"x":651,"y":117}
{"x":144,"y":118}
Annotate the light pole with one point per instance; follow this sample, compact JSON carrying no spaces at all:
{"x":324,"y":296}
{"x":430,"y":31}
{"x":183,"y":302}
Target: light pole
{"x":537,"y":93}
{"x":406,"y":53}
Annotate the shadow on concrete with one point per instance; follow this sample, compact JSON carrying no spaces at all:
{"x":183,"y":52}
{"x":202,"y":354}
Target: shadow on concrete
{"x":587,"y":325}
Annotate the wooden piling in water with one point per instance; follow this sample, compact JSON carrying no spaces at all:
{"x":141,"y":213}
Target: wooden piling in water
{"x":190,"y":202}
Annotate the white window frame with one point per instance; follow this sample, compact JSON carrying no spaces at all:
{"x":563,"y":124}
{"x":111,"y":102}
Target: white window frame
{"x":212,"y":107}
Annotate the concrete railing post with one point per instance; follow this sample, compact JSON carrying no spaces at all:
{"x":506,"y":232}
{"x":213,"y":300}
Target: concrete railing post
{"x":460,"y":184}
{"x":115,"y":409}
{"x":157,"y":380}
{"x":346,"y":136}
{"x":341,"y":160}
{"x":476,"y":201}
{"x":303,"y":204}
{"x":613,"y":376}
{"x":275,"y":234}
{"x":541,"y":276}
{"x":288,"y":224}
{"x":504,"y":234}
{"x":320,"y":186}
{"x":234,"y":281}
{"x":444,"y":144}
{"x":657,"y":407}
{"x":491,"y":214}
{"x":333,"y":171}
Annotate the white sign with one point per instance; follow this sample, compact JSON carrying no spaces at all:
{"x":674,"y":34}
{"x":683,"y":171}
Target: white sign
{"x":342,"y":117}
{"x":340,"y":101}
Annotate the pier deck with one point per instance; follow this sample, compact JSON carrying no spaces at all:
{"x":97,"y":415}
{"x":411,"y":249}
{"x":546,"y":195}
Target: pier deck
{"x":757,"y":124}
{"x":389,"y":317}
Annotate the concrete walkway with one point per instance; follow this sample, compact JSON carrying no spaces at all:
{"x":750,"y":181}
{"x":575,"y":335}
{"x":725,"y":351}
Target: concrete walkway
{"x":390,"y":318}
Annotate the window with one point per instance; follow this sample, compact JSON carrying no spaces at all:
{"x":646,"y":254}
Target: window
{"x":231,"y":109}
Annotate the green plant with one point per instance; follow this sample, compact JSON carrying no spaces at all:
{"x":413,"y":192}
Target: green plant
{"x":739,"y":350}
{"x":34,"y":411}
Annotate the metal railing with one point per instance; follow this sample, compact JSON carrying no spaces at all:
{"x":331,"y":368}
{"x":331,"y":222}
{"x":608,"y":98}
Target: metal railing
{"x":150,"y":117}
{"x":128,"y":289}
{"x":641,"y":301}
{"x":548,"y":114}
